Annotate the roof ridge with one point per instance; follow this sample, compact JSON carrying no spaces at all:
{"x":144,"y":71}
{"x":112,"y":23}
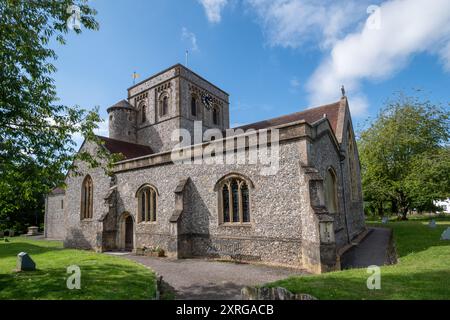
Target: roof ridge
{"x":297,"y":113}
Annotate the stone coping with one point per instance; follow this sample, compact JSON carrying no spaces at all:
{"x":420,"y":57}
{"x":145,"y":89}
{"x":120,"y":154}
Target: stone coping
{"x":297,"y":130}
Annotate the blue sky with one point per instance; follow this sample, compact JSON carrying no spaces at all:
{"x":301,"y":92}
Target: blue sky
{"x":272,"y":57}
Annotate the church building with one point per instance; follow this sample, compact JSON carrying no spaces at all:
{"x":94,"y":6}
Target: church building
{"x":303,"y":210}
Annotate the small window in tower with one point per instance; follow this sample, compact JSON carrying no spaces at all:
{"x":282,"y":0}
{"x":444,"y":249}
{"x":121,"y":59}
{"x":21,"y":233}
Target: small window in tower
{"x":143,"y":113}
{"x":194,"y":106}
{"x":215,"y":116}
{"x":110,"y":117}
{"x":165,"y":106}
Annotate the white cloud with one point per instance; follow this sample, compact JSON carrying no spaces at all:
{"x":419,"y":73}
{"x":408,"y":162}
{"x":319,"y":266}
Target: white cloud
{"x":292,"y":23}
{"x":191,"y":37}
{"x":406,"y":28}
{"x":213,"y":9}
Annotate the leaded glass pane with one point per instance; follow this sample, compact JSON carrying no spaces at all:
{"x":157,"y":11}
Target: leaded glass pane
{"x":245,"y":203}
{"x":235,"y":200}
{"x":226,"y":203}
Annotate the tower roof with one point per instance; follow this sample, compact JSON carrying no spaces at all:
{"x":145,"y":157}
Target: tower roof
{"x":123,"y":104}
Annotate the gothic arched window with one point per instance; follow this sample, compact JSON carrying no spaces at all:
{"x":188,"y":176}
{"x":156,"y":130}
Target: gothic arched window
{"x":147,"y":203}
{"x":351,"y":161}
{"x":193,"y":106}
{"x":87,"y":198}
{"x":330,"y":188}
{"x":234,"y":199}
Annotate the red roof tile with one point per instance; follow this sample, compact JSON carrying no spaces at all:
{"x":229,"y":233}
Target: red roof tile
{"x":128,"y":149}
{"x":310,"y":115}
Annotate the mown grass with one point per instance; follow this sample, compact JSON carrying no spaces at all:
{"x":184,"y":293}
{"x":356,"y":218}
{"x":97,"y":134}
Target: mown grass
{"x":103,"y":277}
{"x":423,"y":270}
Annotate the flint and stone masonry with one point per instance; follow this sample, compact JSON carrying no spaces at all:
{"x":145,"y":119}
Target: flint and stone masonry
{"x":302,"y":216}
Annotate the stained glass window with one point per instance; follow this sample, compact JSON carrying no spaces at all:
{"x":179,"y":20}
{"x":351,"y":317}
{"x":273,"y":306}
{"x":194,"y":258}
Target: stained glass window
{"x":235,"y":196}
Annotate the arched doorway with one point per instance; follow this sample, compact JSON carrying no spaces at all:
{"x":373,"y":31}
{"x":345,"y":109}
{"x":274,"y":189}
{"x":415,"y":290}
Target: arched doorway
{"x":126,"y":232}
{"x":129,"y":233}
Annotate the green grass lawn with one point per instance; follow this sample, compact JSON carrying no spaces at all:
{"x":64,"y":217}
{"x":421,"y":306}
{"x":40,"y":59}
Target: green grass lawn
{"x":423,"y":270}
{"x":102,"y":276}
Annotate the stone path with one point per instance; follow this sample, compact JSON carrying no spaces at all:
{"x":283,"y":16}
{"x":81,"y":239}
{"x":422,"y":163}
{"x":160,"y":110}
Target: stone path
{"x":204,"y":279}
{"x":372,"y":250}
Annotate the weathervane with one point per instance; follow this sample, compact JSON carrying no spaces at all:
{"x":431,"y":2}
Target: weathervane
{"x":135,"y":76}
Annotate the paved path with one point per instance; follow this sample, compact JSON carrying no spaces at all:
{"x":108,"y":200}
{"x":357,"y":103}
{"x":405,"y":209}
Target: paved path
{"x":205,"y":279}
{"x":373,"y":250}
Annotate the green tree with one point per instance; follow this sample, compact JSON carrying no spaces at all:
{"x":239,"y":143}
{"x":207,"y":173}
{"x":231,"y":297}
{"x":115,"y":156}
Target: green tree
{"x":36,"y":144}
{"x":404,"y":155}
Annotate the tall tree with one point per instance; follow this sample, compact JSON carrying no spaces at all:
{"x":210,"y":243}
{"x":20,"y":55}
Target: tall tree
{"x":36,"y":144}
{"x":404,"y":154}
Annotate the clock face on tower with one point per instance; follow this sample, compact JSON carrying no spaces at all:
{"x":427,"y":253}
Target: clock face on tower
{"x":207,"y":100}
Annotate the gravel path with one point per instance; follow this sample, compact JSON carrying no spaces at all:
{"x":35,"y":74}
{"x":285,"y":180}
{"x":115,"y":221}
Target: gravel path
{"x":204,"y":279}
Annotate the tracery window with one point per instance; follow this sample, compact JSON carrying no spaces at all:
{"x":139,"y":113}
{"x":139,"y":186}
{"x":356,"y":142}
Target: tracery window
{"x":147,"y":203}
{"x":87,"y":198}
{"x":234,"y":200}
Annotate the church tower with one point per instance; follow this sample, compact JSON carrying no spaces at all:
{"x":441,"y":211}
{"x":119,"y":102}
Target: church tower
{"x":172,"y":99}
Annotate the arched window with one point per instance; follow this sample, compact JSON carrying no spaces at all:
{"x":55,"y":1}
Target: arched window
{"x":330,"y":188}
{"x":234,"y":199}
{"x":351,"y":158}
{"x":147,"y":203}
{"x":193,"y":106}
{"x":87,"y":198}
{"x":164,"y":105}
{"x":215,"y":116}
{"x":143,"y":111}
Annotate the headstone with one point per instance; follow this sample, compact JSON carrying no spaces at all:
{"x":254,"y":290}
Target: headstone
{"x":11,"y":233}
{"x":385,"y":220}
{"x":32,"y":231}
{"x":2,"y":234}
{"x":446,"y":234}
{"x":25,"y":263}
{"x":432,"y":224}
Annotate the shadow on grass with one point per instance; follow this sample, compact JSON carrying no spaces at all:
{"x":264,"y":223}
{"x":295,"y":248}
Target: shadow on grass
{"x":99,"y":282}
{"x":12,"y":249}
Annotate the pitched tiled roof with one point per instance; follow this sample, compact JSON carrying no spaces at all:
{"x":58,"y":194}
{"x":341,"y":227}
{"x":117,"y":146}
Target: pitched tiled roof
{"x":128,"y":149}
{"x":310,"y":115}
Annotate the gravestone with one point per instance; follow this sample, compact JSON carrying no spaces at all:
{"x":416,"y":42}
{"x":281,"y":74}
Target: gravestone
{"x":11,"y":233}
{"x":446,"y":234}
{"x":2,"y":234}
{"x":432,"y":224}
{"x":25,"y":263}
{"x":385,"y":220}
{"x":32,"y":231}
